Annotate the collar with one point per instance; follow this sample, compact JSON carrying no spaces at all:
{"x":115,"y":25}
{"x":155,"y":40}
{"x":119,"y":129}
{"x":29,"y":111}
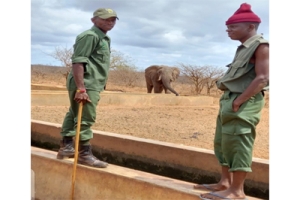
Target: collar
{"x":250,"y":40}
{"x":99,"y":32}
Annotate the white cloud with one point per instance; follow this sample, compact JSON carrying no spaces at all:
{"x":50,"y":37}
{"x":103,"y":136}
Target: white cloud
{"x":72,"y":28}
{"x":150,"y":32}
{"x":175,"y":36}
{"x":171,"y":55}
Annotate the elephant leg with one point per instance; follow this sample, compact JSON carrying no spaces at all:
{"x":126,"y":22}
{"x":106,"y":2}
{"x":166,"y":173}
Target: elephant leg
{"x":166,"y":90}
{"x":149,"y":88}
{"x":158,"y":88}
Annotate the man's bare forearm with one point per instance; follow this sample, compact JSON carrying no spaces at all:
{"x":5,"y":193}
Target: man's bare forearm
{"x":78,"y":71}
{"x":255,"y":87}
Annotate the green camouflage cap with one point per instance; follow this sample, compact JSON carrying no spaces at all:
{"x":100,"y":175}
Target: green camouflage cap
{"x":105,"y":13}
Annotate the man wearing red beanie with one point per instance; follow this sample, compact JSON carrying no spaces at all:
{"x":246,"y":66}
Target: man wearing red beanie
{"x":240,"y":105}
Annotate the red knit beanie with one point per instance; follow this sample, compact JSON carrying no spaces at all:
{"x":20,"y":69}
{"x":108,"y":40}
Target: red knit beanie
{"x":243,"y":14}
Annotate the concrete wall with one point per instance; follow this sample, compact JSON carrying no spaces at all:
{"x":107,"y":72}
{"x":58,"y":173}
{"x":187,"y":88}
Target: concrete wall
{"x":177,"y":161}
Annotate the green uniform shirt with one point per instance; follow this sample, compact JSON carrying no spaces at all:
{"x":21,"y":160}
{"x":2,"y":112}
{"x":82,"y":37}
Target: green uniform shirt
{"x":92,"y":47}
{"x":241,"y":73}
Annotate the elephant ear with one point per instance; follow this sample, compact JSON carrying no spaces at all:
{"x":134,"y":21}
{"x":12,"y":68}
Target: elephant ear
{"x":175,"y":74}
{"x":159,"y":72}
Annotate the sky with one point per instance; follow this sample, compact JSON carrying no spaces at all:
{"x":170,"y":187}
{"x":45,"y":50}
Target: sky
{"x":31,"y":28}
{"x":166,"y":32}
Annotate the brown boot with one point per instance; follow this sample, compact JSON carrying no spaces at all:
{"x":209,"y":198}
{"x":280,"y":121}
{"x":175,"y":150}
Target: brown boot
{"x":66,"y":148}
{"x":85,"y":157}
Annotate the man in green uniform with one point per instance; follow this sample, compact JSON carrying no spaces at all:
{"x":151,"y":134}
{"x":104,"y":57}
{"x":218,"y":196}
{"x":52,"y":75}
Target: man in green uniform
{"x":240,"y":105}
{"x":88,"y":77}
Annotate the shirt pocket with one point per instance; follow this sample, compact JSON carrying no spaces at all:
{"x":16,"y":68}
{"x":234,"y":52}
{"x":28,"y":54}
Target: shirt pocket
{"x":99,"y":55}
{"x":236,"y":66}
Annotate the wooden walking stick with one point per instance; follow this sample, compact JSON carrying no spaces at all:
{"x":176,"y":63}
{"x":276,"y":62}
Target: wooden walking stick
{"x":76,"y":148}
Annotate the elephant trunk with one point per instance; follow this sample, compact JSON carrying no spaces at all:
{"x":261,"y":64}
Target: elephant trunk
{"x":167,"y":85}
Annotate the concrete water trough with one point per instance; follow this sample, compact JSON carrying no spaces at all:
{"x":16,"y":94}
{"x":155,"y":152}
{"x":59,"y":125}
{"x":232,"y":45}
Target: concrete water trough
{"x":137,"y":167}
{"x":189,"y":164}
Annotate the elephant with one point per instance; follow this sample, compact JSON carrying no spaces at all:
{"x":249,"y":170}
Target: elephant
{"x":160,"y":77}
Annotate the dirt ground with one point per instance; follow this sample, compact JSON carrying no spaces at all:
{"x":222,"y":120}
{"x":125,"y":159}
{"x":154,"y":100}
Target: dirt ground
{"x":187,"y":125}
{"x":192,"y":126}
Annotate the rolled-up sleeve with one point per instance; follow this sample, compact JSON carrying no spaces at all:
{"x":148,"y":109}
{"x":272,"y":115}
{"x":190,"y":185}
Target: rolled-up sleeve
{"x":83,"y":48}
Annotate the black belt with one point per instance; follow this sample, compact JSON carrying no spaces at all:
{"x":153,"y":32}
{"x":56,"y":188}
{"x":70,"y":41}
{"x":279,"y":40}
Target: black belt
{"x":262,"y":92}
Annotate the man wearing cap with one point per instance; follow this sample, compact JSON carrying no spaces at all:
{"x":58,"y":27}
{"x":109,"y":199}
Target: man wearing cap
{"x":240,"y":105}
{"x":88,"y":77}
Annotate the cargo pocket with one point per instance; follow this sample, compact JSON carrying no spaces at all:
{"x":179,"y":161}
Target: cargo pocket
{"x":236,"y":127}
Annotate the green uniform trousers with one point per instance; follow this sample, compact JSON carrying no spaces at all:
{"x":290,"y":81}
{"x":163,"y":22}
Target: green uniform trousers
{"x":88,"y":117}
{"x":235,"y":131}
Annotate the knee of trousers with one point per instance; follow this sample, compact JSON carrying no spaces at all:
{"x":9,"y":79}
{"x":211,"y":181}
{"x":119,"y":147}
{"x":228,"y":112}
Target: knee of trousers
{"x":237,"y":151}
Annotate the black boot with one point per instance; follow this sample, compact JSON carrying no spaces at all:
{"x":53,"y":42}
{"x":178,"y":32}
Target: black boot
{"x":66,"y":148}
{"x":85,"y":157}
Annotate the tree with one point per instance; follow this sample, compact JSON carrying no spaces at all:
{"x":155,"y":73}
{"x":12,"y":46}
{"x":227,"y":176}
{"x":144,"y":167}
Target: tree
{"x":124,"y":71}
{"x":63,"y":54}
{"x":195,"y":74}
{"x":125,"y":76}
{"x":117,"y":59}
{"x":120,"y":61}
{"x":212,"y":74}
{"x":202,"y":76}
